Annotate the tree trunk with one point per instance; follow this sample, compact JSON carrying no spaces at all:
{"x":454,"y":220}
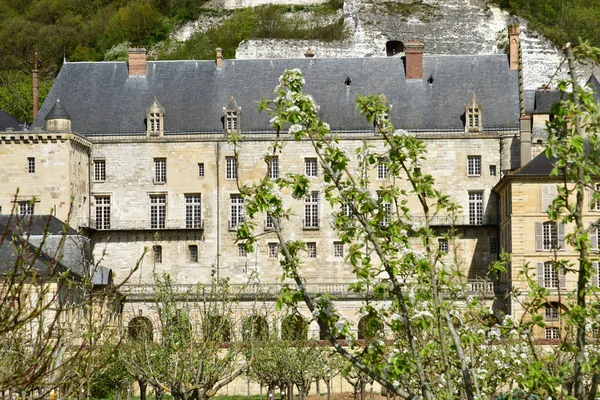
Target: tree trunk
{"x":143,"y":385}
{"x":158,"y":393}
{"x":317,"y":387}
{"x":328,"y":384}
{"x":363,"y":394}
{"x":290,"y":391}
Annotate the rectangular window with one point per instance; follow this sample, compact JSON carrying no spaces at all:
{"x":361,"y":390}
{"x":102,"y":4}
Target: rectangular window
{"x":347,"y":211}
{"x":273,"y":167}
{"x":26,"y":207}
{"x":99,"y":170}
{"x":443,"y":245}
{"x":550,"y":276}
{"x":158,"y":211}
{"x":549,"y":193}
{"x":273,"y":250}
{"x":102,"y":212}
{"x":549,"y":236}
{"x":160,"y":170}
{"x":241,"y":250}
{"x":31,"y":165}
{"x":494,"y":245}
{"x":552,"y":333}
{"x":551,"y":313}
{"x":157,"y":254}
{"x":310,"y":166}
{"x":596,"y":204}
{"x":231,"y":168}
{"x":492,"y":170}
{"x":387,"y":210}
{"x":475,"y":208}
{"x":201,"y":170}
{"x":237,"y":211}
{"x":311,"y":249}
{"x":338,"y":249}
{"x":474,"y":165}
{"x":382,"y":169}
{"x":311,"y":210}
{"x":231,"y":123}
{"x":193,"y":250}
{"x":193,"y":213}
{"x":269,"y":223}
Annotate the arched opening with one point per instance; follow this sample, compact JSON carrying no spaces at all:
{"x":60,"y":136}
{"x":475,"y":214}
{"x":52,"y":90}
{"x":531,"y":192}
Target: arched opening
{"x":217,"y":328}
{"x":140,"y":328}
{"x":294,"y":327}
{"x":369,"y":327}
{"x":255,"y":328}
{"x":394,"y":47}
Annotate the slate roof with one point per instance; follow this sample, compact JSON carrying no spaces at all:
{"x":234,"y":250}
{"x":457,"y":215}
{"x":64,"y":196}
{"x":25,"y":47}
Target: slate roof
{"x":36,"y":224}
{"x":544,"y":99}
{"x":102,"y":98}
{"x":593,"y":82}
{"x":539,"y":166}
{"x":57,"y":111}
{"x":8,"y":121}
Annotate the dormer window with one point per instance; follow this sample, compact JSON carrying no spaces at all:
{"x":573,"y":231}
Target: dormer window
{"x":473,"y":115}
{"x":155,"y":119}
{"x":231,"y":123}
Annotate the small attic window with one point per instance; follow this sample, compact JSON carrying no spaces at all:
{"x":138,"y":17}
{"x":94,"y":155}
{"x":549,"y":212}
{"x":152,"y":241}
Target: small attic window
{"x":473,"y":115}
{"x":348,"y":81}
{"x":231,"y":122}
{"x":430,"y":80}
{"x":155,"y":119}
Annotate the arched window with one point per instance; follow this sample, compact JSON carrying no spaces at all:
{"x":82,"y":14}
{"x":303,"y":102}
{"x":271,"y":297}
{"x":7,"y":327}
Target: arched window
{"x":140,"y":328}
{"x":217,"y":328}
{"x":473,"y":115}
{"x":255,"y":327}
{"x":369,"y":327}
{"x":294,"y":327}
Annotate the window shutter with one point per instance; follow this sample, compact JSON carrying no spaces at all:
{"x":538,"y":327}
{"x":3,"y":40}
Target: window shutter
{"x":562,"y":278}
{"x":561,"y":236}
{"x":539,"y":237}
{"x":540,"y":274}
{"x":594,"y":278}
{"x":545,"y":195}
{"x":591,"y":199}
{"x":594,"y":237}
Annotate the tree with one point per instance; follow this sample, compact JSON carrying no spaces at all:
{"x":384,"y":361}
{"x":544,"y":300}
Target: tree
{"x":59,"y":311}
{"x":393,"y":256}
{"x":195,"y":354}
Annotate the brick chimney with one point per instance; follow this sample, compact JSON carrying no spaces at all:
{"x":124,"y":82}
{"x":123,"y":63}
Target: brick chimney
{"x":137,"y":61}
{"x":219,"y":60}
{"x":513,"y":46}
{"x":309,"y":53}
{"x":414,"y":59}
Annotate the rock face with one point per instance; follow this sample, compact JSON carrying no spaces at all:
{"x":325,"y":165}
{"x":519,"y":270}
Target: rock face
{"x":444,"y":26}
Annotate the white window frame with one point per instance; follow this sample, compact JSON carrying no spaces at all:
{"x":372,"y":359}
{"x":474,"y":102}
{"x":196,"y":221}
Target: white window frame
{"x":193,"y":211}
{"x":26,"y":207}
{"x":311,"y":210}
{"x":160,"y":170}
{"x":387,"y":208}
{"x":273,"y":250}
{"x":443,"y":245}
{"x":596,"y":206}
{"x":311,"y":249}
{"x":473,"y":165}
{"x":242,"y":250}
{"x":382,"y":169}
{"x":493,"y":170}
{"x":31,"y":165}
{"x":552,"y":332}
{"x":311,"y":167}
{"x":273,"y":167}
{"x":158,"y":211}
{"x":549,"y":235}
{"x":338,"y":249}
{"x":476,"y":208}
{"x":236,"y":210}
{"x":201,"y":170}
{"x":231,"y":168}
{"x":102,"y":212}
{"x":99,"y":170}
{"x":551,"y":312}
{"x":551,"y":276}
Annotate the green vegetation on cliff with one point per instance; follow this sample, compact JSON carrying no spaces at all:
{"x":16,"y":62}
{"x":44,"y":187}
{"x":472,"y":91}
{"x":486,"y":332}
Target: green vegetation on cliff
{"x":559,"y":20}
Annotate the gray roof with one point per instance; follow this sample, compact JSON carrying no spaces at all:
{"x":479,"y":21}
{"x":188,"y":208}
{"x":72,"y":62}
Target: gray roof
{"x":8,"y":121}
{"x":539,"y":166}
{"x":593,"y":82}
{"x":545,"y":99}
{"x":57,"y":111}
{"x":102,"y":98}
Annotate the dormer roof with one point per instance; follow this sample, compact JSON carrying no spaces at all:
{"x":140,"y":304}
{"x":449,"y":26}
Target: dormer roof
{"x":155,"y":107}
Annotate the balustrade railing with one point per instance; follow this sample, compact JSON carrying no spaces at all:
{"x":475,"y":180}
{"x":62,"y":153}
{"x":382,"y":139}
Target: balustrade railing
{"x":111,"y":225}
